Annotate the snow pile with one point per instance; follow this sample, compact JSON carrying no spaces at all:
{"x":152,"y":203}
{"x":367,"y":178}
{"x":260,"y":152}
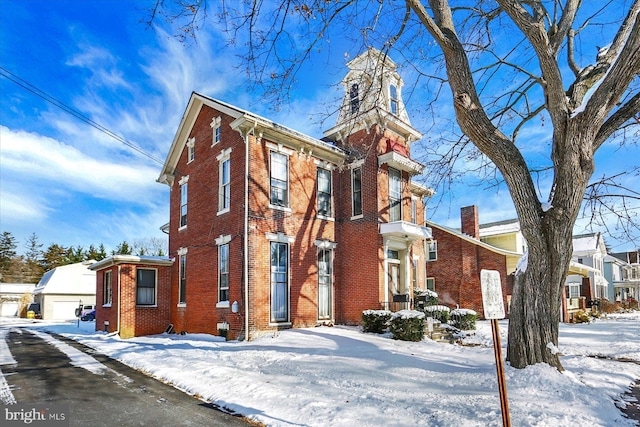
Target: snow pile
{"x":342,"y":377}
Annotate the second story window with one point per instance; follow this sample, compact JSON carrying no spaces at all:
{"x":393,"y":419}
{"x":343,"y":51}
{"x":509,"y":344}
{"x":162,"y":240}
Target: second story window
{"x":414,"y":207}
{"x":395,"y":195}
{"x":356,"y":191}
{"x":324,"y":192}
{"x":183,"y":201}
{"x":224,"y":187}
{"x":354,"y":96}
{"x":393,"y":98}
{"x":432,"y":250}
{"x":279,"y":179}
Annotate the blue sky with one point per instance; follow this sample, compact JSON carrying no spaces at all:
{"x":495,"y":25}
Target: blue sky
{"x":72,"y":184}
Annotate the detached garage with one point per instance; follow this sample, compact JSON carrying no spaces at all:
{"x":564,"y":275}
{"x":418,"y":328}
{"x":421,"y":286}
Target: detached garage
{"x":63,"y":289}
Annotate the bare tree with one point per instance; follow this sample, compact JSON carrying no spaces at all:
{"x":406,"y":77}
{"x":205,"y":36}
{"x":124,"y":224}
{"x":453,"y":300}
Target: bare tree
{"x":511,"y":66}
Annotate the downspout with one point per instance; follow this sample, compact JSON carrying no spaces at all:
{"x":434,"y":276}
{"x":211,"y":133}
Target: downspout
{"x":245,"y":261}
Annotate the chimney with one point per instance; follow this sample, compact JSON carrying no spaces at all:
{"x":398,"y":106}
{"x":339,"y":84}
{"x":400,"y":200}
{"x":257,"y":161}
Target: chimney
{"x":469,"y":219}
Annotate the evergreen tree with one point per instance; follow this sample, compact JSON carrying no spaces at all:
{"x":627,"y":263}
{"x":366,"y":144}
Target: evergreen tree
{"x":122,"y":249}
{"x":97,"y":254}
{"x":8,"y":247}
{"x":33,"y":260}
{"x":54,"y":256}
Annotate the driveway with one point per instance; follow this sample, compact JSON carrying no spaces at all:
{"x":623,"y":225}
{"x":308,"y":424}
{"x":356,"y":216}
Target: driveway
{"x":97,"y":390}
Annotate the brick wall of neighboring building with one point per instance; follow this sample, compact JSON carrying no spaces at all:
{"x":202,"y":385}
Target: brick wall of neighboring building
{"x":457,"y":271}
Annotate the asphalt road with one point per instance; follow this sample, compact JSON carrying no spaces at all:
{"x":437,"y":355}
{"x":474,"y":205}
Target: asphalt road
{"x":116,"y":396}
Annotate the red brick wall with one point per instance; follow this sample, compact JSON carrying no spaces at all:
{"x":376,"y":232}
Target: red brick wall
{"x":457,"y":271}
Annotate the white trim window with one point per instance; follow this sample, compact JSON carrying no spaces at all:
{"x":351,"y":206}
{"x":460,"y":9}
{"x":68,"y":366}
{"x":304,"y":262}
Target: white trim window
{"x":432,"y":250}
{"x":216,"y":129}
{"x":431,"y":283}
{"x":182,"y":283}
{"x":224,"y":186}
{"x":146,"y":286}
{"x":395,"y":195}
{"x":324,"y":192}
{"x":414,"y":209}
{"x":279,"y":282}
{"x":191,"y":149}
{"x":106,"y":288}
{"x":393,"y":99}
{"x":325,"y":282}
{"x":354,"y":98}
{"x":356,"y":191}
{"x":184,"y":191}
{"x":279,"y":175}
{"x":223,"y":272}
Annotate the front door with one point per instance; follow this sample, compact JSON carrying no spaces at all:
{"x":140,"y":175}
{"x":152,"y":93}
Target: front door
{"x":394,"y":279}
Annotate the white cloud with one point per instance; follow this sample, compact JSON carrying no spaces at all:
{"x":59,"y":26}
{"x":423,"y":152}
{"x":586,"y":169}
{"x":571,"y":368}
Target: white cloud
{"x":47,"y":161}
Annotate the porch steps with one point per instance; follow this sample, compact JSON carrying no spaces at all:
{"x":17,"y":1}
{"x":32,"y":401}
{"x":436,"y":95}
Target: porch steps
{"x":441,"y":333}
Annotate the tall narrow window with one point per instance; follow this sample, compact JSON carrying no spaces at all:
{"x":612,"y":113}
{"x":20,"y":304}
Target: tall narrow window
{"x":183,"y":205}
{"x":354,"y":96}
{"x":223,"y":272}
{"x":145,"y":286}
{"x":279,"y":179}
{"x":356,"y":193}
{"x":191,"y":149}
{"x":182,"y":289}
{"x":431,"y":283}
{"x":414,"y":206}
{"x":432,"y":250}
{"x":279,"y":281}
{"x":395,"y":195}
{"x":106,"y":288}
{"x":225,"y":189}
{"x":216,"y":130}
{"x":393,"y":96}
{"x":324,"y":192}
{"x":325,"y":268}
{"x":414,"y":274}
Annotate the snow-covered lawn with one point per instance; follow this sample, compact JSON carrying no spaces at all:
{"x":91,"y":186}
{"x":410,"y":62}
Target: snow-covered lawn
{"x":342,"y":377}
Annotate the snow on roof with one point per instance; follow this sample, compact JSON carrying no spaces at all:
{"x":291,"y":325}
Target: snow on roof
{"x":586,"y":242}
{"x":75,"y":279}
{"x":499,"y":227}
{"x":131,"y":259}
{"x":16,"y":288}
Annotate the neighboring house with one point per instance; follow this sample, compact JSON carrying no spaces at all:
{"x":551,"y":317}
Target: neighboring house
{"x":63,"y":289}
{"x":271,"y":228}
{"x":456,"y":258}
{"x":11,"y":297}
{"x":588,"y":250}
{"x":133,"y":294}
{"x":622,"y":270}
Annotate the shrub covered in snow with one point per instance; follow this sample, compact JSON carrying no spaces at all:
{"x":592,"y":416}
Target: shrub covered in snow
{"x":376,"y":321}
{"x":439,"y":312}
{"x":430,"y":297}
{"x":464,"y":319}
{"x":407,"y":325}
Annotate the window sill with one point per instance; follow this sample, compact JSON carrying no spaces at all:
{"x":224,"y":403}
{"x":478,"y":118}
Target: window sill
{"x":280,"y":323}
{"x":147,"y":306}
{"x":106,"y":305}
{"x":182,"y":305}
{"x":222,"y":304}
{"x":184,"y":227}
{"x":224,"y":211}
{"x":215,"y":143}
{"x":325,"y":218}
{"x":279,"y":208}
{"x":357,"y":217}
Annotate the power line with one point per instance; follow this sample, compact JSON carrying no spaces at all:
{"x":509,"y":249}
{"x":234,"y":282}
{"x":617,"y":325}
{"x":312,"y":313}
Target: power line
{"x":54,"y":101}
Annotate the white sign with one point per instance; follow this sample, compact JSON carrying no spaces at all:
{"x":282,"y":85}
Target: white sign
{"x":492,"y":301}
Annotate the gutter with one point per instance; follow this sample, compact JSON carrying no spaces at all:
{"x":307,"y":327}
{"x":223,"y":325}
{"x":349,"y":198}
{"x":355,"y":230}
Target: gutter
{"x":245,"y":263}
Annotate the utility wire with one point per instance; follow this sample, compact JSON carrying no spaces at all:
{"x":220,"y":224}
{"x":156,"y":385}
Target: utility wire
{"x":52,"y":100}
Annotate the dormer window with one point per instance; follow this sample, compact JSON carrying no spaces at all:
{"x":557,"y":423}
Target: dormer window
{"x":354,"y":95}
{"x":393,"y":97}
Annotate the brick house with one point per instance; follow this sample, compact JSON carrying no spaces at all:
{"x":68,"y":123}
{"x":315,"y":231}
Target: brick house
{"x":271,"y":228}
{"x":455,"y":259}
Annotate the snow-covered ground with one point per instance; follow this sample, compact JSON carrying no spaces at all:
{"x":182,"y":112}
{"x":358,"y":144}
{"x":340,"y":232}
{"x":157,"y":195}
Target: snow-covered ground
{"x":340,"y":376}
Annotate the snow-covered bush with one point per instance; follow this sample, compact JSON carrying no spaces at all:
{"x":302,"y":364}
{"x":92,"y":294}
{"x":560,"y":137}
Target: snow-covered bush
{"x":430,"y":297}
{"x":438,"y":312}
{"x":407,"y":325}
{"x":376,"y":321}
{"x":463,"y":319}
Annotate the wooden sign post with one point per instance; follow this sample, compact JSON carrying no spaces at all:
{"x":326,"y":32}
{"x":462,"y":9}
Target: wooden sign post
{"x":493,"y":305}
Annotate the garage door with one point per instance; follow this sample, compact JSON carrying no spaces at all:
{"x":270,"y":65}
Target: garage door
{"x":63,"y":310}
{"x":9,"y":308}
